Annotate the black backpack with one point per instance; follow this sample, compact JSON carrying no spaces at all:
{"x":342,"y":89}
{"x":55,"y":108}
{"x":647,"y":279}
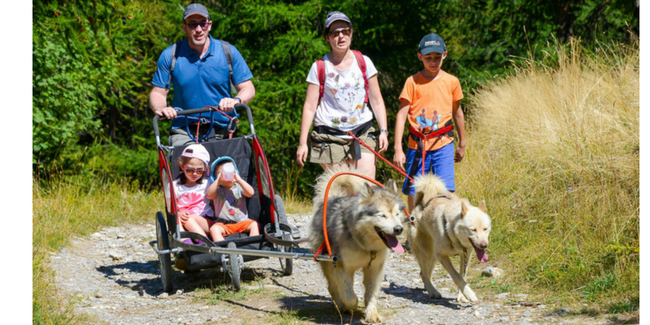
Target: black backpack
{"x":226,"y":51}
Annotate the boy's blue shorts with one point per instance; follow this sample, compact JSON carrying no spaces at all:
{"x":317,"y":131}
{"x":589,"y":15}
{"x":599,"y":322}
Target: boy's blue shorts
{"x":440,"y":162}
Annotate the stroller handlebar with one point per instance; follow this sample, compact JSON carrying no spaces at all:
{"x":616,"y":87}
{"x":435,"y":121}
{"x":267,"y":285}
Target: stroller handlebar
{"x":206,"y":109}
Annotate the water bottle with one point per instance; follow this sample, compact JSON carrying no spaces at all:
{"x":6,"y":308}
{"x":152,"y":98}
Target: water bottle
{"x":228,"y":172}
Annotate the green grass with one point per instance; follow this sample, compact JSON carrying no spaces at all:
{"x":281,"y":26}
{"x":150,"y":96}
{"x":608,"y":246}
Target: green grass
{"x":290,"y":317}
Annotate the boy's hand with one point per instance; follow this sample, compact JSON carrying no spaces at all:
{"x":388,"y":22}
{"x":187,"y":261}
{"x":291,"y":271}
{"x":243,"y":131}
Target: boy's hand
{"x":383,"y":142}
{"x":399,"y":159}
{"x":459,"y":154}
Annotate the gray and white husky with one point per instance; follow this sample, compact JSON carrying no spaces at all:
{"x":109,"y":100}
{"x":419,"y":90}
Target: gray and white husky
{"x":363,"y":221}
{"x":446,"y":225}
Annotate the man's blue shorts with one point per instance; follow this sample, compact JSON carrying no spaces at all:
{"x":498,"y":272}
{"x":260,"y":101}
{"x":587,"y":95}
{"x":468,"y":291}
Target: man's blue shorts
{"x":440,"y":162}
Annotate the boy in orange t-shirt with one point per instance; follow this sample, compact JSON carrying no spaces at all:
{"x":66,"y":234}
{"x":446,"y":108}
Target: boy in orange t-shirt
{"x":430,"y":100}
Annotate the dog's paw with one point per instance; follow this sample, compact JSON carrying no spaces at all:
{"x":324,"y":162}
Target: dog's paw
{"x":435,"y":295}
{"x":467,"y":296}
{"x":372,"y":317}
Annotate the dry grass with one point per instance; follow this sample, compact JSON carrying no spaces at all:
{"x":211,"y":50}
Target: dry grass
{"x":294,"y":202}
{"x":64,"y":209}
{"x":554,"y":150}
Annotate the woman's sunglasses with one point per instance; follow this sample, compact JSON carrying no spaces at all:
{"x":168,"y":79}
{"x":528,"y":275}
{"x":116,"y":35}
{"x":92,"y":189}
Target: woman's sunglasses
{"x":344,"y":31}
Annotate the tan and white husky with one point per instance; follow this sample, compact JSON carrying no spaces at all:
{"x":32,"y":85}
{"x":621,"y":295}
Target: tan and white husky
{"x":362,"y":224}
{"x":445,"y":225}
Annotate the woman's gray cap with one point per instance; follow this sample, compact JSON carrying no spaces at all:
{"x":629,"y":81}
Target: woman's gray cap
{"x":334,"y":16}
{"x":432,"y":43}
{"x":195,"y":9}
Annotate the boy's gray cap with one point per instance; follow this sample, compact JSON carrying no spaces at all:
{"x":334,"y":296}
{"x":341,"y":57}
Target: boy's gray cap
{"x":432,"y":43}
{"x":195,"y":9}
{"x":334,"y":16}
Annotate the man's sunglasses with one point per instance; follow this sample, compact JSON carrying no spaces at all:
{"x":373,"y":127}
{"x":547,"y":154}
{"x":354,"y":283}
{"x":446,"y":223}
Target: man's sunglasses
{"x":344,"y":31}
{"x":203,"y":25}
{"x":199,"y":171}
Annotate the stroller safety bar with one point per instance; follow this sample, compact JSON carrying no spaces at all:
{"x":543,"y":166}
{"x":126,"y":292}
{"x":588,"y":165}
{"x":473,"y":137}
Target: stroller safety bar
{"x":297,"y":253}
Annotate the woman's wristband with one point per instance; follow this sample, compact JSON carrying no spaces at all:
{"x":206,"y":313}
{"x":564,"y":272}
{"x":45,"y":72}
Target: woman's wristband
{"x":383,"y":130}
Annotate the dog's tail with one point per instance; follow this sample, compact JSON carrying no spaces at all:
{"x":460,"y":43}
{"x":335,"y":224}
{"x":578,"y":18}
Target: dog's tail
{"x":343,"y":185}
{"x":427,"y":187}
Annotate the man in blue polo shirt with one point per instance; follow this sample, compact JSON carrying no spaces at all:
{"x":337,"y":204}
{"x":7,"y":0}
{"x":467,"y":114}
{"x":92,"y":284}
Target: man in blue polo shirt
{"x":200,"y":78}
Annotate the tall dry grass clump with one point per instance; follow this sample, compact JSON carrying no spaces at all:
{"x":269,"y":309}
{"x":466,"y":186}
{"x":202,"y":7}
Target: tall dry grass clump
{"x":554,"y":148}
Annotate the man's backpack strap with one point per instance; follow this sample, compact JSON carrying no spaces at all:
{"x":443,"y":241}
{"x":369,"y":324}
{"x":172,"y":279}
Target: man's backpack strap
{"x":362,"y":65}
{"x":175,"y":51}
{"x":226,"y":51}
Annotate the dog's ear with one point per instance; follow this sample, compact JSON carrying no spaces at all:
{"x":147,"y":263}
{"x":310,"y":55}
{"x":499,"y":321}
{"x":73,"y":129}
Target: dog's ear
{"x":464,"y":208}
{"x":482,"y":206}
{"x":366,"y":192}
{"x":391,"y":186}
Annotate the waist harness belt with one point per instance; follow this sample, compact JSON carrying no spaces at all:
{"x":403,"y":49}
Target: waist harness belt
{"x":420,"y":138}
{"x":358,"y":131}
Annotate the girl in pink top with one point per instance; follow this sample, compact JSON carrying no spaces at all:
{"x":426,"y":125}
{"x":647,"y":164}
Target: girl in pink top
{"x":190,"y":187}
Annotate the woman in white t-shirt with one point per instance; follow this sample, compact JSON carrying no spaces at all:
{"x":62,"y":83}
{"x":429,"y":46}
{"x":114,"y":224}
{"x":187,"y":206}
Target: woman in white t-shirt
{"x":342,"y":107}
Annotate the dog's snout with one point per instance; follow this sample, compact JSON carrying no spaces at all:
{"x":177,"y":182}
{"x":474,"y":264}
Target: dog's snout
{"x":398,"y":230}
{"x":483,"y":244}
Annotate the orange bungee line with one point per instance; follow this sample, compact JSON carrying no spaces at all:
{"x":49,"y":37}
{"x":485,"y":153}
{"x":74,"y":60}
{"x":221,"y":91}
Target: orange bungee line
{"x":380,"y":156}
{"x":326,"y":243}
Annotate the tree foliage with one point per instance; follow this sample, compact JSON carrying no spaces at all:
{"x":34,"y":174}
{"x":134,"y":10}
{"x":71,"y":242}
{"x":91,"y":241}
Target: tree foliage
{"x":93,"y":61}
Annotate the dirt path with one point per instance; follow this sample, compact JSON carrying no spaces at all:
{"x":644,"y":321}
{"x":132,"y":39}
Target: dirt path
{"x":113,"y":277}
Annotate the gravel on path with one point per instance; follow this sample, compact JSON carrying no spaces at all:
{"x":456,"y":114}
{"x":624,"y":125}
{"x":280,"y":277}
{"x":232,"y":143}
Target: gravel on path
{"x":113,"y":278}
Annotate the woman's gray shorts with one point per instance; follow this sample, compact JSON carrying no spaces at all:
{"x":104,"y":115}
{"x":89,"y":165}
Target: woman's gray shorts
{"x":327,"y":148}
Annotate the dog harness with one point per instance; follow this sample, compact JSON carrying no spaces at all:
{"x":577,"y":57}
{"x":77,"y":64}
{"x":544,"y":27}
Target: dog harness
{"x":420,"y":138}
{"x":411,"y":218}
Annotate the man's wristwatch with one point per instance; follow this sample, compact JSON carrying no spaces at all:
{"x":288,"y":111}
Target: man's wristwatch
{"x":237,"y":98}
{"x":384,"y":130}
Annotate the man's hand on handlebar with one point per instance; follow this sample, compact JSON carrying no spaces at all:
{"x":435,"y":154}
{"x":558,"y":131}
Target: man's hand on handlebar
{"x":228,"y":104}
{"x":167,"y":112}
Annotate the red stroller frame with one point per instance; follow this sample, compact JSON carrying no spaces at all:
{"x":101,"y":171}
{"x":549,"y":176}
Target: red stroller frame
{"x":266,"y":207}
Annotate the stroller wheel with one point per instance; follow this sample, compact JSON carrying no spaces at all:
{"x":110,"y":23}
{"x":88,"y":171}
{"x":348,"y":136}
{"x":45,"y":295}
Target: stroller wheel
{"x":285,"y":263}
{"x":162,"y":243}
{"x":235,"y":268}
